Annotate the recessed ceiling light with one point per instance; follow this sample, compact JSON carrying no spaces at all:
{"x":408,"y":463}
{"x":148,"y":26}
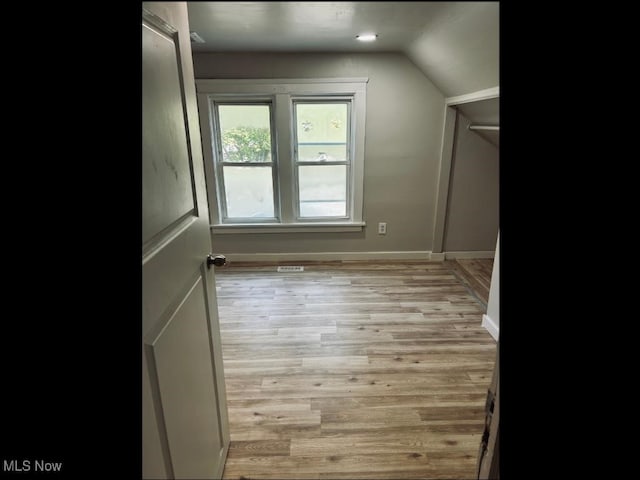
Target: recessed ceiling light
{"x":367,"y":37}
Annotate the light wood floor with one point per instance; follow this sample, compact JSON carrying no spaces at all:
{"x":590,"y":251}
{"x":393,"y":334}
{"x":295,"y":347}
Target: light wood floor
{"x":475,"y":274}
{"x":353,"y":370}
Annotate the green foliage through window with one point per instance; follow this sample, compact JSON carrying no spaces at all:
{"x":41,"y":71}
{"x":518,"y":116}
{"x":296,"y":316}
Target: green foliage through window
{"x":246,"y":144}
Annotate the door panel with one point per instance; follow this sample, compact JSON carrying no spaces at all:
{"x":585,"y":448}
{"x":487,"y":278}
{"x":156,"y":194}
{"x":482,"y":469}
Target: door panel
{"x":154,"y":462}
{"x":185,"y":427}
{"x":167,"y":188}
{"x":182,"y":355}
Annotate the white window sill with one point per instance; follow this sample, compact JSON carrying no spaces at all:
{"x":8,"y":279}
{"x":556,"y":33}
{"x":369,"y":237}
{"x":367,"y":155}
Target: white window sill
{"x":323,"y":227}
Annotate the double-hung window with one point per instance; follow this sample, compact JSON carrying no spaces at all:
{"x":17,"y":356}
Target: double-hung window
{"x":284,"y":154}
{"x":244,"y":160}
{"x":322,"y":156}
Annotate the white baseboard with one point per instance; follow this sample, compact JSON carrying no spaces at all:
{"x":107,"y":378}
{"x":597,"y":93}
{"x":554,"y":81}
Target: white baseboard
{"x":491,"y":327}
{"x":474,"y":254}
{"x":330,"y":256}
{"x":436,"y":257}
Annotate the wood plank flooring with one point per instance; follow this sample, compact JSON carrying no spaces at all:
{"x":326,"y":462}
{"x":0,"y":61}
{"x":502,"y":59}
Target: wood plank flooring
{"x":353,"y":370}
{"x":475,"y":274}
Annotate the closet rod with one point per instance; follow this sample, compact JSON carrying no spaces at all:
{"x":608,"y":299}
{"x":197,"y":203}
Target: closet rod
{"x":484,"y":127}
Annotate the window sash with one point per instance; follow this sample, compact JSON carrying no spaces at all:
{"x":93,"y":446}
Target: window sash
{"x":220,"y":163}
{"x":324,"y":100}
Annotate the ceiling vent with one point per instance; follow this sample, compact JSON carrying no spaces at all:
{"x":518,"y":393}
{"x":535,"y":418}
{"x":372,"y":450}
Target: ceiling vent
{"x":195,"y":38}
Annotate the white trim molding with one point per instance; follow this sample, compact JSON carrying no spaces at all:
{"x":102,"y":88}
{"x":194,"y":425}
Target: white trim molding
{"x":436,"y":257}
{"x":485,"y":94}
{"x":491,"y":327}
{"x":442,"y":195}
{"x":471,"y":254}
{"x":329,"y":256}
{"x":230,"y":228}
{"x":213,"y":84}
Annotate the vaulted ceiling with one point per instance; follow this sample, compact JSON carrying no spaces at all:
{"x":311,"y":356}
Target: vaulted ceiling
{"x":455,"y":44}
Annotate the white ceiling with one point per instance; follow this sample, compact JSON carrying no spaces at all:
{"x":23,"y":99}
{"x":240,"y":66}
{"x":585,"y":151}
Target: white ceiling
{"x":308,"y":26}
{"x":455,"y":44}
{"x":459,"y":50}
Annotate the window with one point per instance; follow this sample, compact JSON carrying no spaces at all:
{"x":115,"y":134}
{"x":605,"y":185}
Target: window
{"x":284,"y":155}
{"x":322,"y":156}
{"x":245,"y":160}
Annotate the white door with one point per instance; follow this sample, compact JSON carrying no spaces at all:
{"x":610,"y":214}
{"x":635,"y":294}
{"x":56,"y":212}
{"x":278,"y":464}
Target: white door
{"x":184,"y":423}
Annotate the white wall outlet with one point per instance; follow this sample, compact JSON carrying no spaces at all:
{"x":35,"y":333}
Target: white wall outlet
{"x":382,"y":228}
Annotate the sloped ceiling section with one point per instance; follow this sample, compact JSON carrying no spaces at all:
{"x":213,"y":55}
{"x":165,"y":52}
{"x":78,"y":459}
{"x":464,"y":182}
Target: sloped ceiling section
{"x":459,"y":49}
{"x":455,"y":44}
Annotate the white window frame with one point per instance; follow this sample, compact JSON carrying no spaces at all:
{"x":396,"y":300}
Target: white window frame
{"x":220,"y":163}
{"x":282,"y":93}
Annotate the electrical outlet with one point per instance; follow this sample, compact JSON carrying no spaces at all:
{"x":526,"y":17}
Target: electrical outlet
{"x":382,"y":228}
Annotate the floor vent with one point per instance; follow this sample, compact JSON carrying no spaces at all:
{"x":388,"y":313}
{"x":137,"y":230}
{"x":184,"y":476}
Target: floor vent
{"x":291,"y":269}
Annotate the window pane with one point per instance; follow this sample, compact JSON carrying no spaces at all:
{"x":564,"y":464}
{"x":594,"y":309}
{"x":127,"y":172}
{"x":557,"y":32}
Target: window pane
{"x":322,"y":132}
{"x":245,"y":131}
{"x":249,"y":192}
{"x":323,"y":190}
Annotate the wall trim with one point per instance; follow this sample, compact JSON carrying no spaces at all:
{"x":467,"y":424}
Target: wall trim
{"x":216,"y":82}
{"x":485,"y":94}
{"x":491,"y":327}
{"x":313,"y":227}
{"x":442,"y":195}
{"x":329,"y":256}
{"x":473,"y":254}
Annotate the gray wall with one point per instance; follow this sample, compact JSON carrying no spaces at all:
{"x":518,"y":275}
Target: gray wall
{"x":473,"y":204}
{"x":405,"y":114}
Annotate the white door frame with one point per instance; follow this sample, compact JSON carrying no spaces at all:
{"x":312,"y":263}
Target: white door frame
{"x":446,"y":156}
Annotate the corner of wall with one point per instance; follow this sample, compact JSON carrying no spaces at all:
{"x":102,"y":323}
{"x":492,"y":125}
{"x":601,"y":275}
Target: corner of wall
{"x":491,"y":327}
